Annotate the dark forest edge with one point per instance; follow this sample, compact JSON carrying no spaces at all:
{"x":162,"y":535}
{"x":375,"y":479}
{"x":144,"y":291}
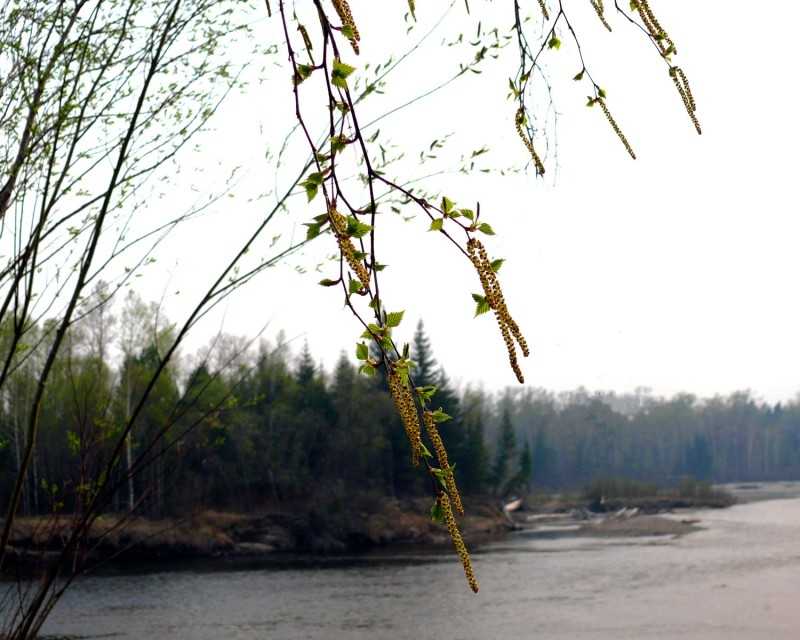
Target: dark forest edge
{"x":247,"y":424}
{"x":369,"y":522}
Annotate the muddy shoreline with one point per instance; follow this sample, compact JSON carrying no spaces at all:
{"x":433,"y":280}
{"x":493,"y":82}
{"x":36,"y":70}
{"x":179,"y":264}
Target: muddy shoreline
{"x":279,"y":532}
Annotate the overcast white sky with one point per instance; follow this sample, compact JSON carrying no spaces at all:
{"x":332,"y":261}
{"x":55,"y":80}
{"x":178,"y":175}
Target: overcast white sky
{"x":677,"y":271}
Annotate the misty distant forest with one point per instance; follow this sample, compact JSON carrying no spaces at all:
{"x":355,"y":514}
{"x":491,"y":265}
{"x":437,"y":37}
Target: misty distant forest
{"x":249,"y":423}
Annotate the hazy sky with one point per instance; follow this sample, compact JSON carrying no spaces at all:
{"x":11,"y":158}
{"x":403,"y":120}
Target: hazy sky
{"x":677,"y":271}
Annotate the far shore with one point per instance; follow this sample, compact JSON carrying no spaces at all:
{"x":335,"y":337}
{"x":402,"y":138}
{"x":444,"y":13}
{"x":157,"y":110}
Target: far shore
{"x":274,"y":531}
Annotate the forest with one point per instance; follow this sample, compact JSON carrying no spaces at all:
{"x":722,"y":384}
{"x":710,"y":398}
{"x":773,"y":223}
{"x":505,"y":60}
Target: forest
{"x":252,"y":422}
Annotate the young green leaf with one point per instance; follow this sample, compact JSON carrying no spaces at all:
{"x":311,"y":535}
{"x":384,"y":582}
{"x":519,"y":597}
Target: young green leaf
{"x":338,"y":143}
{"x":394,"y":318}
{"x":356,"y":229}
{"x":303,"y":72}
{"x":440,"y":416}
{"x":554,"y":43}
{"x":347,"y":31}
{"x":436,"y":224}
{"x":312,"y":184}
{"x":424,"y":393}
{"x":340,"y":73}
{"x":362,"y":351}
{"x":327,"y":282}
{"x":496,"y":264}
{"x":367,"y":370}
{"x":579,"y":76}
{"x":482,"y":306}
{"x":484,"y":227}
{"x":447,"y":204}
{"x":313,"y":230}
{"x":437,"y":512}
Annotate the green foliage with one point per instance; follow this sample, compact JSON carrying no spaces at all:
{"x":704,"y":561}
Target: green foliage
{"x":312,"y":184}
{"x":437,"y":512}
{"x":340,"y":73}
{"x":481,"y":304}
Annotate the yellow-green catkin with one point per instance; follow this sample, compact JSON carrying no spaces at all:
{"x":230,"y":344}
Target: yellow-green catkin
{"x":667,"y":47}
{"x":543,"y":7}
{"x":346,"y":16}
{"x":455,"y":534}
{"x":518,"y":120}
{"x":682,"y":84}
{"x":306,"y":40}
{"x":494,"y":298}
{"x":412,"y":9}
{"x":656,"y":31}
{"x":408,"y":412}
{"x":348,"y":251}
{"x":600,"y":10}
{"x":441,"y":456}
{"x":615,"y":126}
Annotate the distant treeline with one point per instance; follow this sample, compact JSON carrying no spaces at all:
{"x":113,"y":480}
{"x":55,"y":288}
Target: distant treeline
{"x":249,"y":424}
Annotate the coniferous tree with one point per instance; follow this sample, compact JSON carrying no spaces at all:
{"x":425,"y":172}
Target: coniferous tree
{"x":504,"y":453}
{"x":523,"y":475}
{"x":425,"y":373}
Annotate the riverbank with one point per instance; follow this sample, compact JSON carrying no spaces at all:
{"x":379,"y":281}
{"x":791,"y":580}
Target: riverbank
{"x":270,"y":530}
{"x":329,"y":529}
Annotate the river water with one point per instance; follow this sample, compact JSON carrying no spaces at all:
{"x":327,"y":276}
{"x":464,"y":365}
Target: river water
{"x":736,"y":579}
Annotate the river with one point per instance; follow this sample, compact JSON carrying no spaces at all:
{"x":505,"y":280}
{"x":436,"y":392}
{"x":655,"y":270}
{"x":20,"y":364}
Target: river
{"x":736,"y":579}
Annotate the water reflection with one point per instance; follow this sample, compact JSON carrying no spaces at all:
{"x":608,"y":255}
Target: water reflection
{"x":736,"y":579}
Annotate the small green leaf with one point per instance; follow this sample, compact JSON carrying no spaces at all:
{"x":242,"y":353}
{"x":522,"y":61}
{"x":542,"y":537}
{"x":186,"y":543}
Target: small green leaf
{"x":371,"y":331}
{"x":347,"y":31}
{"x":482,"y":306}
{"x":313,"y":230}
{"x":311,"y":190}
{"x":436,"y":225}
{"x":579,"y":76}
{"x":424,"y":393}
{"x":423,"y":451}
{"x":394,"y":318}
{"x":340,"y":73}
{"x":484,"y":227}
{"x":327,"y":282}
{"x":362,"y":351}
{"x":312,"y":184}
{"x":496,"y":264}
{"x":303,"y":72}
{"x":601,"y":92}
{"x":367,"y":370}
{"x":437,"y":512}
{"x":554,"y":43}
{"x":440,"y":416}
{"x":468,"y":213}
{"x":591,"y":102}
{"x":356,"y":229}
{"x":338,"y":143}
{"x":443,"y":473}
{"x":447,"y":204}
{"x":354,"y":286}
